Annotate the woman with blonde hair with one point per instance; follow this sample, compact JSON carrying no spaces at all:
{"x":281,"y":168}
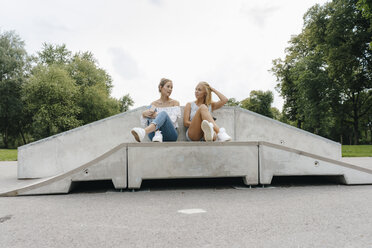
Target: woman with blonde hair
{"x":198,"y":118}
{"x":160,"y":118}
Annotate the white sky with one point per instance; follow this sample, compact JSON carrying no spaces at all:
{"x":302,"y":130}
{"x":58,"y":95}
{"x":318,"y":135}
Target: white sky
{"x":228,"y":43}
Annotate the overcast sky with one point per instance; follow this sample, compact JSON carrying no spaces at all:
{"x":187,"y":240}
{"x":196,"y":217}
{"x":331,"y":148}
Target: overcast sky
{"x":228,"y":43}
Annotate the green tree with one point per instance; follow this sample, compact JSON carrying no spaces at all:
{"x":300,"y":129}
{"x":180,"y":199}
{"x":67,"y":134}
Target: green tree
{"x":232,"y":102}
{"x":277,"y":115}
{"x":50,"y":101}
{"x":94,"y":86}
{"x":325,"y":78}
{"x":259,"y":102}
{"x":125,"y":103}
{"x":366,"y":7}
{"x":53,"y":54}
{"x":14,"y":65}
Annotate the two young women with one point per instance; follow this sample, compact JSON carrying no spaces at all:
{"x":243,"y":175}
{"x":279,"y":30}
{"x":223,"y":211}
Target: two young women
{"x":160,"y":118}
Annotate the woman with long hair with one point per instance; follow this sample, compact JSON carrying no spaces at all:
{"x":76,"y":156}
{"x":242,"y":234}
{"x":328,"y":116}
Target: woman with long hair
{"x":198,"y":118}
{"x":160,"y":118}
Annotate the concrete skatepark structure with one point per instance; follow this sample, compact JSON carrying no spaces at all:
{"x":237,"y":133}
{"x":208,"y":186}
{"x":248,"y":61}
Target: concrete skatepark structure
{"x":105,"y":150}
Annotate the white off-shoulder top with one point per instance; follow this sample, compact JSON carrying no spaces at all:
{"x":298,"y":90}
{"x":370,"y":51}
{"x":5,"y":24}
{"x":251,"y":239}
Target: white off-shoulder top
{"x":173,"y":112}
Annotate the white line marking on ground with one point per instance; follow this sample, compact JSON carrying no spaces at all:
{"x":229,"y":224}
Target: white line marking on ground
{"x":191,"y":211}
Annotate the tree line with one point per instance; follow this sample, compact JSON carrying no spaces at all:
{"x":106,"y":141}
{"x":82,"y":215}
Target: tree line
{"x":325,"y":77}
{"x":325,"y":80}
{"x":260,"y":102}
{"x":50,"y":92}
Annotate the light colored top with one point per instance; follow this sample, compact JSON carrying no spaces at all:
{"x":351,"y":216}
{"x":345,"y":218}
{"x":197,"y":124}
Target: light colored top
{"x":195,"y":108}
{"x":173,"y":112}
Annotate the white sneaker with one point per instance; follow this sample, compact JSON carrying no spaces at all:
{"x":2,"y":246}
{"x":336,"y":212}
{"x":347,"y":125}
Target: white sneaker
{"x":207,"y":128}
{"x":138,"y":133}
{"x":223,"y":136}
{"x":158,"y":137}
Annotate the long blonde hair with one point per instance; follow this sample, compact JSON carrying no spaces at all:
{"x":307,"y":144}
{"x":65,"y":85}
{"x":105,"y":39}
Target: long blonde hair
{"x":208,"y":97}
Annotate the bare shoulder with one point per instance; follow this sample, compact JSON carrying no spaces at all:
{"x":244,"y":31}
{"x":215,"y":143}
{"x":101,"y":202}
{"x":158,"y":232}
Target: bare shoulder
{"x":174,"y":103}
{"x":155,"y":103}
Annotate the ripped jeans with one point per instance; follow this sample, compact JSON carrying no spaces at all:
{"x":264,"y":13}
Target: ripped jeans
{"x":164,"y":124}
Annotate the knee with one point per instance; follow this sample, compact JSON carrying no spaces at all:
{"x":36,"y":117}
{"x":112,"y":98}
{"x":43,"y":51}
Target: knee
{"x":163,"y":114}
{"x":203,"y":107}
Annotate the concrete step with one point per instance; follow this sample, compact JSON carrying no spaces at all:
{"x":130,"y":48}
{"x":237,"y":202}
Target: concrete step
{"x":192,"y":160}
{"x":128,"y":164}
{"x":277,"y":160}
{"x":110,"y":166}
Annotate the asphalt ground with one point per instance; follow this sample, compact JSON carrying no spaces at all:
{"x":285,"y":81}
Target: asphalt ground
{"x":293,"y":212}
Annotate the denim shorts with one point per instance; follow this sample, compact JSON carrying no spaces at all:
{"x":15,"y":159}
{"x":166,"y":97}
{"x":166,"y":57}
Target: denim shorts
{"x":187,"y":135}
{"x":188,"y":138}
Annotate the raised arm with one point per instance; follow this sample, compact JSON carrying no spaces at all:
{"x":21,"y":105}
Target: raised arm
{"x":223,"y":100}
{"x":186,"y":115}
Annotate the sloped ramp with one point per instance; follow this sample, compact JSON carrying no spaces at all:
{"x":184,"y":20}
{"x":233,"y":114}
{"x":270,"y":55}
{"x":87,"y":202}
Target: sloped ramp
{"x":277,"y":160}
{"x":257,"y":162}
{"x":112,"y":165}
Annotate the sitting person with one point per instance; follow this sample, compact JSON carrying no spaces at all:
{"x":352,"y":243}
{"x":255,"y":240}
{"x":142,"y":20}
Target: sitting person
{"x":198,"y":118}
{"x":160,"y":118}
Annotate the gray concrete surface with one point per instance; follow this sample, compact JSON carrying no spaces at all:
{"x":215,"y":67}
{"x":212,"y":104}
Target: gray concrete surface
{"x":278,"y":160}
{"x":8,"y":177}
{"x":192,"y":160}
{"x":365,"y":162}
{"x":66,"y":151}
{"x":295,"y":216}
{"x":288,"y":214}
{"x":255,"y":162}
{"x":109,"y":166}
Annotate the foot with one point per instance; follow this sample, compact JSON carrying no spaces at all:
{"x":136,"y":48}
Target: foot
{"x":207,"y":128}
{"x":158,"y":137}
{"x":138,"y":133}
{"x":223,"y":136}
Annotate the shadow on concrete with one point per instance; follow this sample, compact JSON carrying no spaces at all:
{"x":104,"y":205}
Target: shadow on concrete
{"x":205,"y":183}
{"x":192,"y":183}
{"x":101,"y":186}
{"x":293,"y":181}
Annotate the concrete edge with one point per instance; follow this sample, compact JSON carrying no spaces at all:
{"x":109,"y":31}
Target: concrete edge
{"x":286,"y":125}
{"x":49,"y":180}
{"x":338,"y":162}
{"x":192,"y":143}
{"x":81,"y":127}
{"x":225,"y":107}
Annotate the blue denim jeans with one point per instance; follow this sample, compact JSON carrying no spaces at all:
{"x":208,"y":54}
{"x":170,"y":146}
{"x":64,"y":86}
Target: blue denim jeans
{"x":165,"y":125}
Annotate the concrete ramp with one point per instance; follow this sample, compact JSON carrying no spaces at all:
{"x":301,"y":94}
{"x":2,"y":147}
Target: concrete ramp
{"x":112,"y":165}
{"x":66,"y":151}
{"x":277,"y":160}
{"x":128,"y":164}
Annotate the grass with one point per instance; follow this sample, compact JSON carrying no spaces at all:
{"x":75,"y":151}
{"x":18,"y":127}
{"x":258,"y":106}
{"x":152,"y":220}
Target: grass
{"x":357,"y":151}
{"x":8,"y":154}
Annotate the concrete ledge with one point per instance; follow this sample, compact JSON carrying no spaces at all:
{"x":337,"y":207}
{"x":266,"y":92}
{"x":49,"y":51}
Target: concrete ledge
{"x":276,"y":160}
{"x":128,"y":164}
{"x":109,"y":166}
{"x":64,"y":152}
{"x":192,"y":160}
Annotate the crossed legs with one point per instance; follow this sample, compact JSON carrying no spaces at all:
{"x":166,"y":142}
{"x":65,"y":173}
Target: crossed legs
{"x":195,"y":132}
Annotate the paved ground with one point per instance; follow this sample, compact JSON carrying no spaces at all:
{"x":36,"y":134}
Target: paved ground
{"x":362,"y":161}
{"x":312,"y":213}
